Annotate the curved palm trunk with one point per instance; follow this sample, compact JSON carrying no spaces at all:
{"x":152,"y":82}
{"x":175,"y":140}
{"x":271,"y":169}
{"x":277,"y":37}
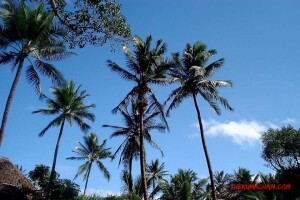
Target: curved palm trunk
{"x":10,"y":98}
{"x":142,"y":151}
{"x":211,"y":175}
{"x":87,"y":178}
{"x":54,"y":159}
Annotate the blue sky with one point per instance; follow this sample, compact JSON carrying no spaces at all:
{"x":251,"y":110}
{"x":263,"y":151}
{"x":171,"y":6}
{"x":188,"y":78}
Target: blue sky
{"x":259,"y":40}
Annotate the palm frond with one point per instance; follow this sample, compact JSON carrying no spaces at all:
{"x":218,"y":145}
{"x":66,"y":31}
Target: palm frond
{"x":49,"y":71}
{"x":33,"y":79}
{"x":57,"y":121}
{"x":122,"y":72}
{"x":103,"y":169}
{"x":130,"y":95}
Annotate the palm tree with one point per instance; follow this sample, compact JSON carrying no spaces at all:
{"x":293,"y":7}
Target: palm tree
{"x":146,"y":67}
{"x":29,"y":34}
{"x":193,"y":74}
{"x":222,"y":183}
{"x":91,"y":151}
{"x":129,"y":148}
{"x":133,"y":188}
{"x":183,"y":186}
{"x":67,"y":105}
{"x":243,"y":176}
{"x":155,"y":172}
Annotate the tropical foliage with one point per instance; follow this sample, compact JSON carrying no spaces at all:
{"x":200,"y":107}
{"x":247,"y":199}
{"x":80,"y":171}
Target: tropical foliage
{"x":29,"y":36}
{"x":67,"y":106}
{"x":146,"y":66}
{"x":156,"y":173}
{"x":63,"y":189}
{"x":194,"y":75}
{"x":90,"y":22}
{"x":91,"y":151}
{"x":129,"y":148}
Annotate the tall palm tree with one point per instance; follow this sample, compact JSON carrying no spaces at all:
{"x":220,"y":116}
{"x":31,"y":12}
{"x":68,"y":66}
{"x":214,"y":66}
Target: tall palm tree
{"x":155,"y":172}
{"x":91,"y":151}
{"x":129,"y":148}
{"x":193,"y":73}
{"x":28,"y":35}
{"x":67,"y":105}
{"x":146,"y":66}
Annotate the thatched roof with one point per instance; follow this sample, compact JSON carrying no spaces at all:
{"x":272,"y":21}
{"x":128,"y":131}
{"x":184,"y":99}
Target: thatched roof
{"x":10,"y":176}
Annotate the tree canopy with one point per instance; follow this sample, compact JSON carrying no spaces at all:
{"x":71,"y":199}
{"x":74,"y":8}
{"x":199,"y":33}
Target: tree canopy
{"x":94,"y":22}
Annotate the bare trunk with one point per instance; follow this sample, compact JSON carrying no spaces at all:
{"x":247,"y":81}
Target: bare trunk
{"x":211,"y":174}
{"x":87,"y":178}
{"x":9,"y":99}
{"x":130,"y":174}
{"x":142,"y":151}
{"x":54,"y":159}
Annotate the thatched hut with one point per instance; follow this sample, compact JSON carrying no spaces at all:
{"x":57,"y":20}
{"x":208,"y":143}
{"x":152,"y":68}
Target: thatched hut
{"x":13,"y":184}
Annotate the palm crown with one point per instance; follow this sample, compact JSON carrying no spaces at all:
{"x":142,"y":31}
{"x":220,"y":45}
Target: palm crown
{"x":30,"y":34}
{"x":91,"y":151}
{"x":68,"y":104}
{"x":193,"y":73}
{"x":129,"y":148}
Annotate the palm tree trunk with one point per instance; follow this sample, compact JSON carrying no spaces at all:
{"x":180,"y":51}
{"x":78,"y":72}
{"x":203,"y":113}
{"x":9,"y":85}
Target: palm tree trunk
{"x":87,"y":178}
{"x":211,"y":175}
{"x":10,"y":98}
{"x":130,"y":174}
{"x":52,"y":175}
{"x":142,"y":151}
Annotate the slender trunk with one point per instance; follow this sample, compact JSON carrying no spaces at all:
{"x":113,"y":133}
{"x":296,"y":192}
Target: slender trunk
{"x":87,"y":178}
{"x":52,"y":175}
{"x":142,"y":151}
{"x":153,"y":185}
{"x":130,"y":177}
{"x":9,"y":99}
{"x":211,"y":175}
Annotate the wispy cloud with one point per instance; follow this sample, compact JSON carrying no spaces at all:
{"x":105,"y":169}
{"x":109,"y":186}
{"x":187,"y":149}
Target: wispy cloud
{"x":289,"y":121}
{"x":100,"y":192}
{"x":242,"y":132}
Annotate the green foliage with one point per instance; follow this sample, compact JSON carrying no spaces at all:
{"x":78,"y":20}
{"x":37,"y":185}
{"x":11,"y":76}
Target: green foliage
{"x":94,"y":22}
{"x":156,"y":173}
{"x":129,"y":148}
{"x":68,"y":104}
{"x":281,"y":148}
{"x":62,"y":189}
{"x":29,"y":35}
{"x":128,"y":196}
{"x":194,"y":75}
{"x":184,"y":186}
{"x":281,"y":151}
{"x":91,"y":151}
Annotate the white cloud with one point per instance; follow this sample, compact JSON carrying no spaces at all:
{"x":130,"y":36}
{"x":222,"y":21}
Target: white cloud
{"x":100,"y":192}
{"x":242,"y":132}
{"x":289,"y":121}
